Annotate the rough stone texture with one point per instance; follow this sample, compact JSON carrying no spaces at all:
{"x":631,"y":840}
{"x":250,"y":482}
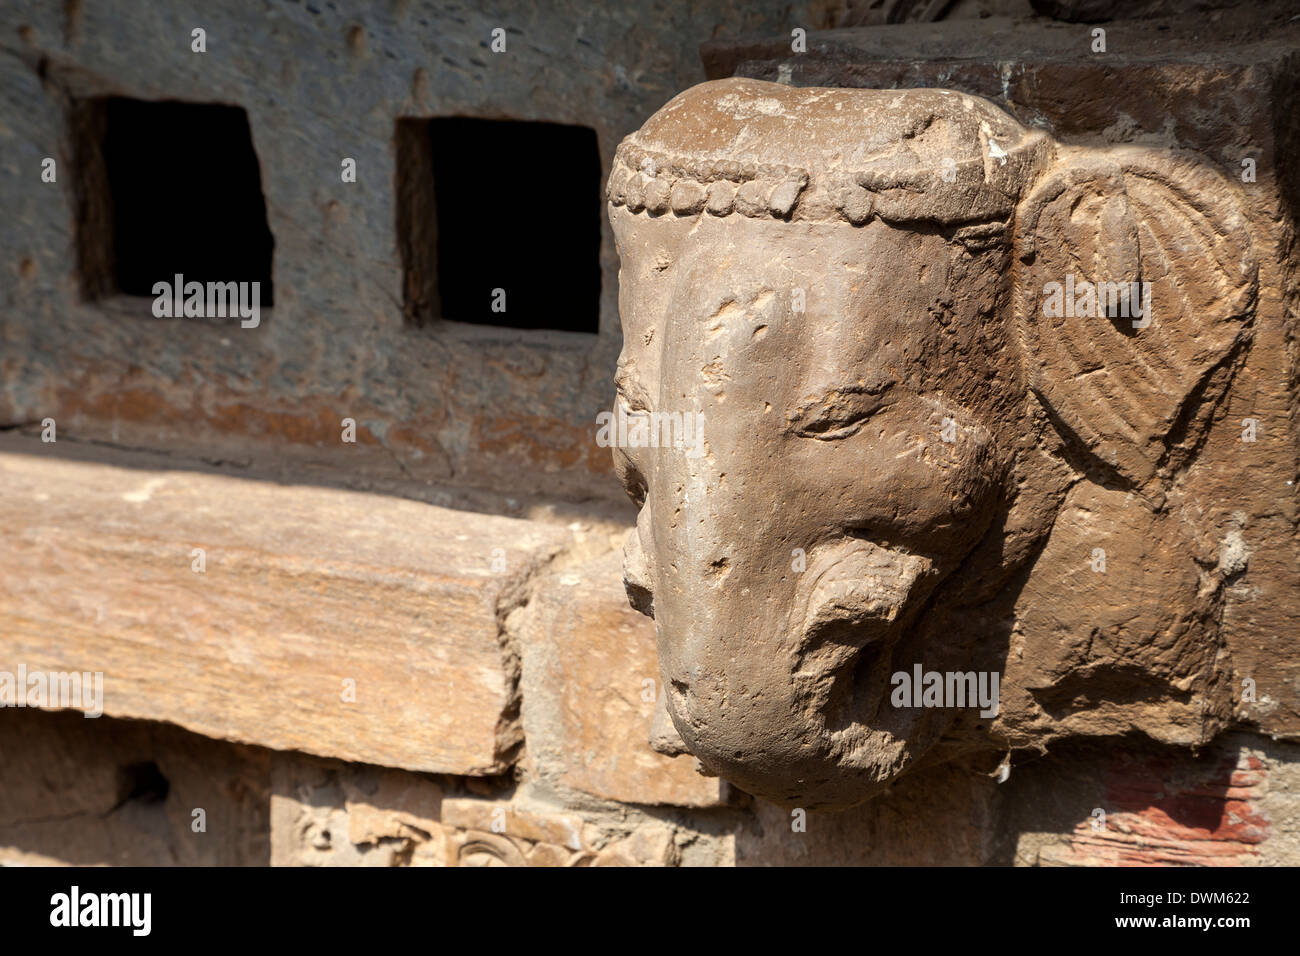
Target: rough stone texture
{"x":944,"y":817}
{"x":76,"y":792}
{"x":1129,"y":648}
{"x":325,"y":813}
{"x":500,"y":421}
{"x":880,"y":277}
{"x":70,"y":797}
{"x":861,"y":13}
{"x":304,"y":589}
{"x":1233,"y":804}
{"x":1236,"y":803}
{"x":589,"y":684}
{"x":456,"y":403}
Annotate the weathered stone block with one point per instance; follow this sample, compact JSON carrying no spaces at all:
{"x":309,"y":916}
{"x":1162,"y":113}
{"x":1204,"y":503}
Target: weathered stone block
{"x":940,"y":818}
{"x":523,"y":832}
{"x":328,"y":813}
{"x":1079,"y":499}
{"x":450,"y":401}
{"x":590,"y":682}
{"x":333,"y":622}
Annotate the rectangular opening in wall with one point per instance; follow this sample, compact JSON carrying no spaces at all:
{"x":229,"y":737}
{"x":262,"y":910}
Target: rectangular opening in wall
{"x":499,"y":222}
{"x":164,"y":189}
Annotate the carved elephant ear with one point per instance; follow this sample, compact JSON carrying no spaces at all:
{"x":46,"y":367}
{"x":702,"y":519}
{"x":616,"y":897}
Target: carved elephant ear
{"x":1161,"y":243}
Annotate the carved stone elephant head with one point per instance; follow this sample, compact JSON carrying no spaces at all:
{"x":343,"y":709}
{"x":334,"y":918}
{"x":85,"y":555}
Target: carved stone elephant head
{"x":905,"y":327}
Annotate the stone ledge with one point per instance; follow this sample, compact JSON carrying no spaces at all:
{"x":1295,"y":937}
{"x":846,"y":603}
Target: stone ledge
{"x":304,"y":588}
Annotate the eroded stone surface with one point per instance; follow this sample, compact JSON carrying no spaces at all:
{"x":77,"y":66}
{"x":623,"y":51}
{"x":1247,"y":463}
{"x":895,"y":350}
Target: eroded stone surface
{"x":329,"y":621}
{"x":1136,"y":804}
{"x":75,"y":793}
{"x":1197,"y":533}
{"x":1221,"y":84}
{"x":105,"y":792}
{"x":452,"y":403}
{"x":590,"y":683}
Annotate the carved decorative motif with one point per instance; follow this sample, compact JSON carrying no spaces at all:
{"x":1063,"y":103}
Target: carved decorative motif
{"x":927,"y":347}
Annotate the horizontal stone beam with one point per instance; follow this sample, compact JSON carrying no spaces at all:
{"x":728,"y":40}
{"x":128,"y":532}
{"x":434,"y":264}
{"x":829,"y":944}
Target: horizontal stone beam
{"x":335,"y":622}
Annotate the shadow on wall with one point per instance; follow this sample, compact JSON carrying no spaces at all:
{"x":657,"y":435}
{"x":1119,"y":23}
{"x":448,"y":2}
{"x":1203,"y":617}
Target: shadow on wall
{"x":100,"y":791}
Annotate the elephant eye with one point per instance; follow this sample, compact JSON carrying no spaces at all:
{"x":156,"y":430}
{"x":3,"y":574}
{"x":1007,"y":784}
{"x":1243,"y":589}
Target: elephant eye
{"x":841,"y":412}
{"x":630,"y":390}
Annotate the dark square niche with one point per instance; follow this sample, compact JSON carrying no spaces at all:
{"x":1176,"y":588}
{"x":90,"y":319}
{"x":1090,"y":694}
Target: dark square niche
{"x":165,"y":188}
{"x":500,"y":204}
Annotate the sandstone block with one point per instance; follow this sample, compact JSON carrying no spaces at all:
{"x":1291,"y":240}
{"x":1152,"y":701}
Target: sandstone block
{"x":1141,"y":804}
{"x":590,"y":682}
{"x":333,"y":622}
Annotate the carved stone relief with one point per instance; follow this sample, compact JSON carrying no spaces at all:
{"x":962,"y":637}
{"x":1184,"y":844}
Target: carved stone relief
{"x":948,"y":377}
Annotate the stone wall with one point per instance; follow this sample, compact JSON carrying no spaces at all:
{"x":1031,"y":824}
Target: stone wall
{"x":416,"y":648}
{"x":455,"y":404}
{"x":114,"y":792}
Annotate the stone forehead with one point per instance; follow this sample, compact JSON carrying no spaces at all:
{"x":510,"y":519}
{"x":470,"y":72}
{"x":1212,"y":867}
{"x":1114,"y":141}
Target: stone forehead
{"x":765,"y":149}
